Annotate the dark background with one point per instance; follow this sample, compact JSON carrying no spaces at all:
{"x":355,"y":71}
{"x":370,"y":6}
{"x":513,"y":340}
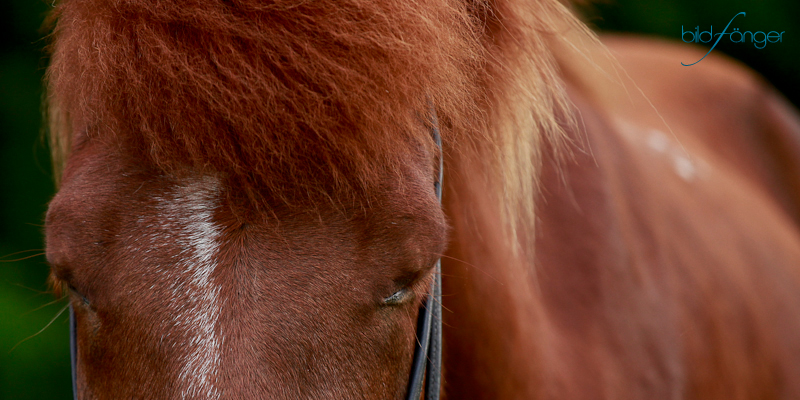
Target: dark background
{"x":36,"y":366}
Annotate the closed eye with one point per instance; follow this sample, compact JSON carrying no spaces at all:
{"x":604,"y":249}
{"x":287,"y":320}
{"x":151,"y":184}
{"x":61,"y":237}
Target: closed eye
{"x":399,"y":297}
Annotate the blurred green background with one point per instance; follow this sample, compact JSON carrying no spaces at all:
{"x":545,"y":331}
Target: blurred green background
{"x":35,"y":365}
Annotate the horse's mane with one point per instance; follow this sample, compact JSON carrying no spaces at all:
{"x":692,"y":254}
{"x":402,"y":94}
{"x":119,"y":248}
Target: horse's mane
{"x":300,"y":99}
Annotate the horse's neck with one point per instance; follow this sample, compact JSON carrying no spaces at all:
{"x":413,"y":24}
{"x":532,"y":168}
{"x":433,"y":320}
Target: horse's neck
{"x":490,"y":299}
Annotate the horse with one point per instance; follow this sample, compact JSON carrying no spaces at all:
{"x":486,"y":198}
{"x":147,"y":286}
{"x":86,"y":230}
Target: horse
{"x":246,"y":205}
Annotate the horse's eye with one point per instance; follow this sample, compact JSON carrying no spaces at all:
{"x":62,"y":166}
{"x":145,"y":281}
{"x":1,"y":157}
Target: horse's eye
{"x":399,"y":297}
{"x":80,"y":295}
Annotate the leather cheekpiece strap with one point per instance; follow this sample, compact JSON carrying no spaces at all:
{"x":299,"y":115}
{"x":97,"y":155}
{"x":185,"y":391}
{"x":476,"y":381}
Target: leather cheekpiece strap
{"x":428,"y":348}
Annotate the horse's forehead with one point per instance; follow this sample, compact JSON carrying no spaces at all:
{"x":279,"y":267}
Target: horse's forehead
{"x":113,"y":204}
{"x":103,"y":201}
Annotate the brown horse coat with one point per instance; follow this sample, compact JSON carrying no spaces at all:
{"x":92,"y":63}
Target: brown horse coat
{"x":668,"y":250}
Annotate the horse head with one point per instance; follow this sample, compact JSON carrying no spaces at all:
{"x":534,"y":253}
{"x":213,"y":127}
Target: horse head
{"x":246,"y":205}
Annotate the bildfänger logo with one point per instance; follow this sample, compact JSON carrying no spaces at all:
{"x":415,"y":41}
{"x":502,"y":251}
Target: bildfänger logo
{"x":759,"y":39}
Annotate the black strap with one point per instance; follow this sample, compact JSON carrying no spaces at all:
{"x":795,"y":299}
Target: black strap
{"x":428,"y":349}
{"x":434,"y":376}
{"x":421,"y":348}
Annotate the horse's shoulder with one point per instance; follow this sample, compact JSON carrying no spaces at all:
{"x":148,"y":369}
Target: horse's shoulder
{"x":717,"y":107}
{"x":673,"y":208}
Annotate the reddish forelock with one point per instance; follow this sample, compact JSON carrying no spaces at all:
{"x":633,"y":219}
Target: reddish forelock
{"x":290,"y":97}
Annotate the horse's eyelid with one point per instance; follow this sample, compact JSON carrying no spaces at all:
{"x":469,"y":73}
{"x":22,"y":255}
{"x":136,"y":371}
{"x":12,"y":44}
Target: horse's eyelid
{"x":398,"y":297}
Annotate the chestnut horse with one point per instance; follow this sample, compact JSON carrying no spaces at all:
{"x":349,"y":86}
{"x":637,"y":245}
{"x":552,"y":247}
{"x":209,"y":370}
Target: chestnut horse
{"x":246,"y":205}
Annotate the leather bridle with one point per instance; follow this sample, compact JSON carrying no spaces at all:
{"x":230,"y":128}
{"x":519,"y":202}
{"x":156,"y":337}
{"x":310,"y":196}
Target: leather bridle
{"x":426,"y":366}
{"x":428,"y":350}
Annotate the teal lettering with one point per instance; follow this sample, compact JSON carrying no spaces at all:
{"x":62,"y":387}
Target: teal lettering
{"x":736,"y":32}
{"x":718,"y":39}
{"x":710,"y":33}
{"x":762,"y":42}
{"x":683,"y":35}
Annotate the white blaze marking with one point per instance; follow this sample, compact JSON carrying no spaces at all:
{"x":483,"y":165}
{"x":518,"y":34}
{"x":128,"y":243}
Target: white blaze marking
{"x":189,"y":213}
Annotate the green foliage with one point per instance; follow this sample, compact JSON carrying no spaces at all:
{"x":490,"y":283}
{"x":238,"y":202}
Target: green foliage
{"x":38,"y":368}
